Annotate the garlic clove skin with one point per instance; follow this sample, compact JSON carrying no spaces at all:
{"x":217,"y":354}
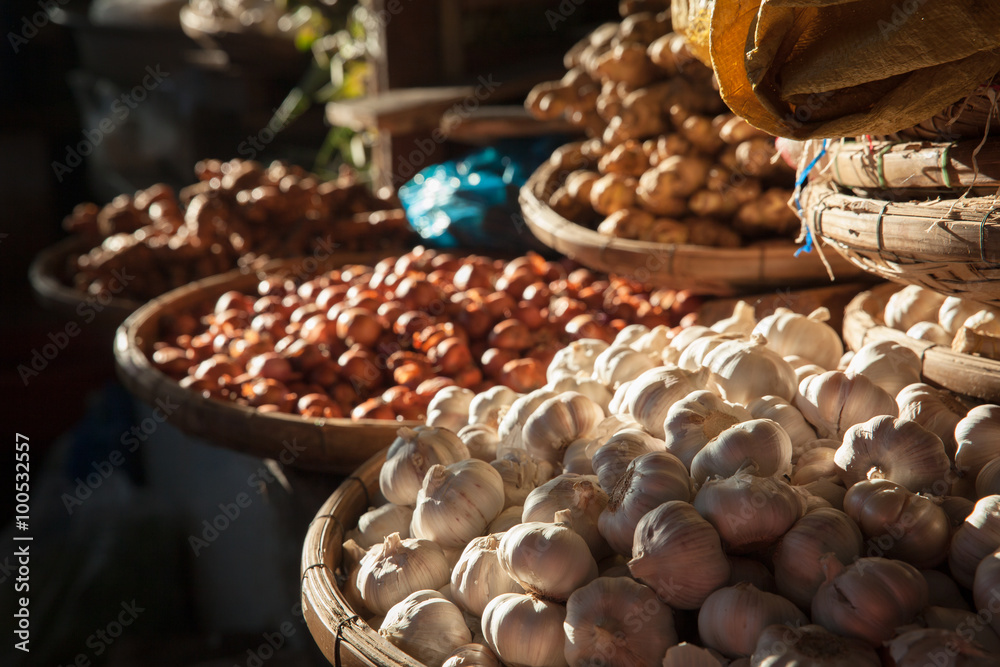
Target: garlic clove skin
{"x":620,"y":619}
{"x":513,"y":420}
{"x":887,"y":448}
{"x":651,"y":395}
{"x":482,"y":441}
{"x":547,"y":559}
{"x":742,"y":321}
{"x":375,"y":524}
{"x":742,"y":371}
{"x":449,"y":409}
{"x":868,"y":599}
{"x":958,"y":620}
{"x":830,"y":491}
{"x":807,"y":371}
{"x":477,"y":578}
{"x":942,"y":591}
{"x":986,"y":588}
{"x":937,"y":410}
{"x":910,"y":305}
{"x":932,"y":332}
{"x":760,"y":441}
{"x":396,"y":568}
{"x":834,"y":402}
{"x":653,"y":342}
{"x":582,"y":495}
{"x":525,"y":631}
{"x":747,"y":570}
{"x":954,"y":312}
{"x":426,"y":627}
{"x":472,"y":655}
{"x":798,"y":557}
{"x":559,"y":421}
{"x":576,"y":459}
{"x":983,"y":321}
{"x":693,"y":356}
{"x":629,"y":335}
{"x":788,"y":416}
{"x":679,"y":555}
{"x":648,"y":481}
{"x":612,"y":458}
{"x":913,"y":648}
{"x":814,"y":465}
{"x":889,"y":365}
{"x":620,"y":363}
{"x":978,"y":537}
{"x":782,"y":646}
{"x":592,"y":389}
{"x":487,"y":407}
{"x":457,"y":502}
{"x":689,"y":655}
{"x":732,"y":618}
{"x":672,"y":352}
{"x":806,"y":336}
{"x":347,"y":579}
{"x":749,"y":512}
{"x":618,"y":406}
{"x":411,"y":455}
{"x":899,"y":524}
{"x":506,"y":520}
{"x":519,"y":472}
{"x":577,"y":358}
{"x":977,"y":437}
{"x":988,"y":479}
{"x":695,"y":420}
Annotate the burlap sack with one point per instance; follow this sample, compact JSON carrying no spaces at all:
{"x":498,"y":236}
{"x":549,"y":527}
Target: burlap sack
{"x":832,"y":68}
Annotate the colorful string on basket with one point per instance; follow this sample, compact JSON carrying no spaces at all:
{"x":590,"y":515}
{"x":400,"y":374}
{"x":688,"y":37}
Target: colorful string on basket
{"x":799,"y":182}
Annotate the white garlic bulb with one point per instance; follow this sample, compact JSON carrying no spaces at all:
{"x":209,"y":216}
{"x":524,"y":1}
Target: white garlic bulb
{"x":834,"y":402}
{"x":978,"y":537}
{"x":478,"y":578}
{"x":648,"y":481}
{"x":747,"y":570}
{"x":798,"y":567}
{"x":679,"y":555}
{"x":618,"y":406}
{"x":512,"y":422}
{"x":898,"y":523}
{"x":457,"y":502}
{"x":958,"y":620}
{"x":749,"y":512}
{"x":686,"y":336}
{"x":506,"y":520}
{"x":695,"y":420}
{"x":392,"y":570}
{"x":521,"y":473}
{"x":983,"y":321}
{"x":577,"y":458}
{"x":977,"y":437}
{"x":653,"y":342}
{"x":592,"y":389}
{"x":559,"y":421}
{"x":868,"y":599}
{"x":744,"y":370}
{"x":525,"y":631}
{"x":618,"y":364}
{"x":954,"y":312}
{"x":887,"y":448}
{"x":807,"y":371}
{"x":651,"y":394}
{"x":732,"y":618}
{"x":932,"y":332}
{"x":577,"y":358}
{"x":548,"y":559}
{"x":487,"y":407}
{"x":411,"y":455}
{"x":806,"y":336}
{"x":616,"y":619}
{"x":425,"y":626}
{"x":582,"y":496}
{"x":689,"y":655}
{"x":693,"y":356}
{"x":788,"y":417}
{"x":988,"y":479}
{"x":482,"y":441}
{"x":814,"y":465}
{"x":942,"y":591}
{"x":449,"y":408}
{"x":472,"y":655}
{"x":937,"y":410}
{"x":887,"y":364}
{"x":831,"y":492}
{"x":986,"y":588}
{"x":352,"y":555}
{"x":910,"y":305}
{"x":375,"y":524}
{"x":612,"y":458}
{"x":784,"y":646}
{"x":760,"y":441}
{"x":630,"y":334}
{"x":741,"y":322}
{"x":948,"y":648}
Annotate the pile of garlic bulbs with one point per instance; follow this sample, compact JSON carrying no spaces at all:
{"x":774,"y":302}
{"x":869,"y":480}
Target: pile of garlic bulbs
{"x":961,"y":324}
{"x":741,"y":494}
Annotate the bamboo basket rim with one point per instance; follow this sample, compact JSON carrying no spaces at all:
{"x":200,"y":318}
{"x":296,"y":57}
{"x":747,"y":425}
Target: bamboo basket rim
{"x":343,"y":636}
{"x":330,"y":445}
{"x":706,"y":269}
{"x":964,"y":374}
{"x":53,"y":293}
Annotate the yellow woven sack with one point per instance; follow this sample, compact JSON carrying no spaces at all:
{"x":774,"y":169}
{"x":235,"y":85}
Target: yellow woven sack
{"x":832,"y":68}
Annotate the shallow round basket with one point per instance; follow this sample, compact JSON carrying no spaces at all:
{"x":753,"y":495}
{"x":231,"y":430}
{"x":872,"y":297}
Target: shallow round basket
{"x":704,"y":269}
{"x":46,"y":275}
{"x":333,"y":445}
{"x":342,"y":635}
{"x":950,"y":246}
{"x":961,"y":373}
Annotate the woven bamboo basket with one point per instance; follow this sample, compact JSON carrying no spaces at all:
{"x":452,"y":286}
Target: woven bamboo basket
{"x":334,"y":445}
{"x":47,"y":273}
{"x":341,"y":634}
{"x":951,"y":246}
{"x":706,"y":270}
{"x":961,"y":373}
